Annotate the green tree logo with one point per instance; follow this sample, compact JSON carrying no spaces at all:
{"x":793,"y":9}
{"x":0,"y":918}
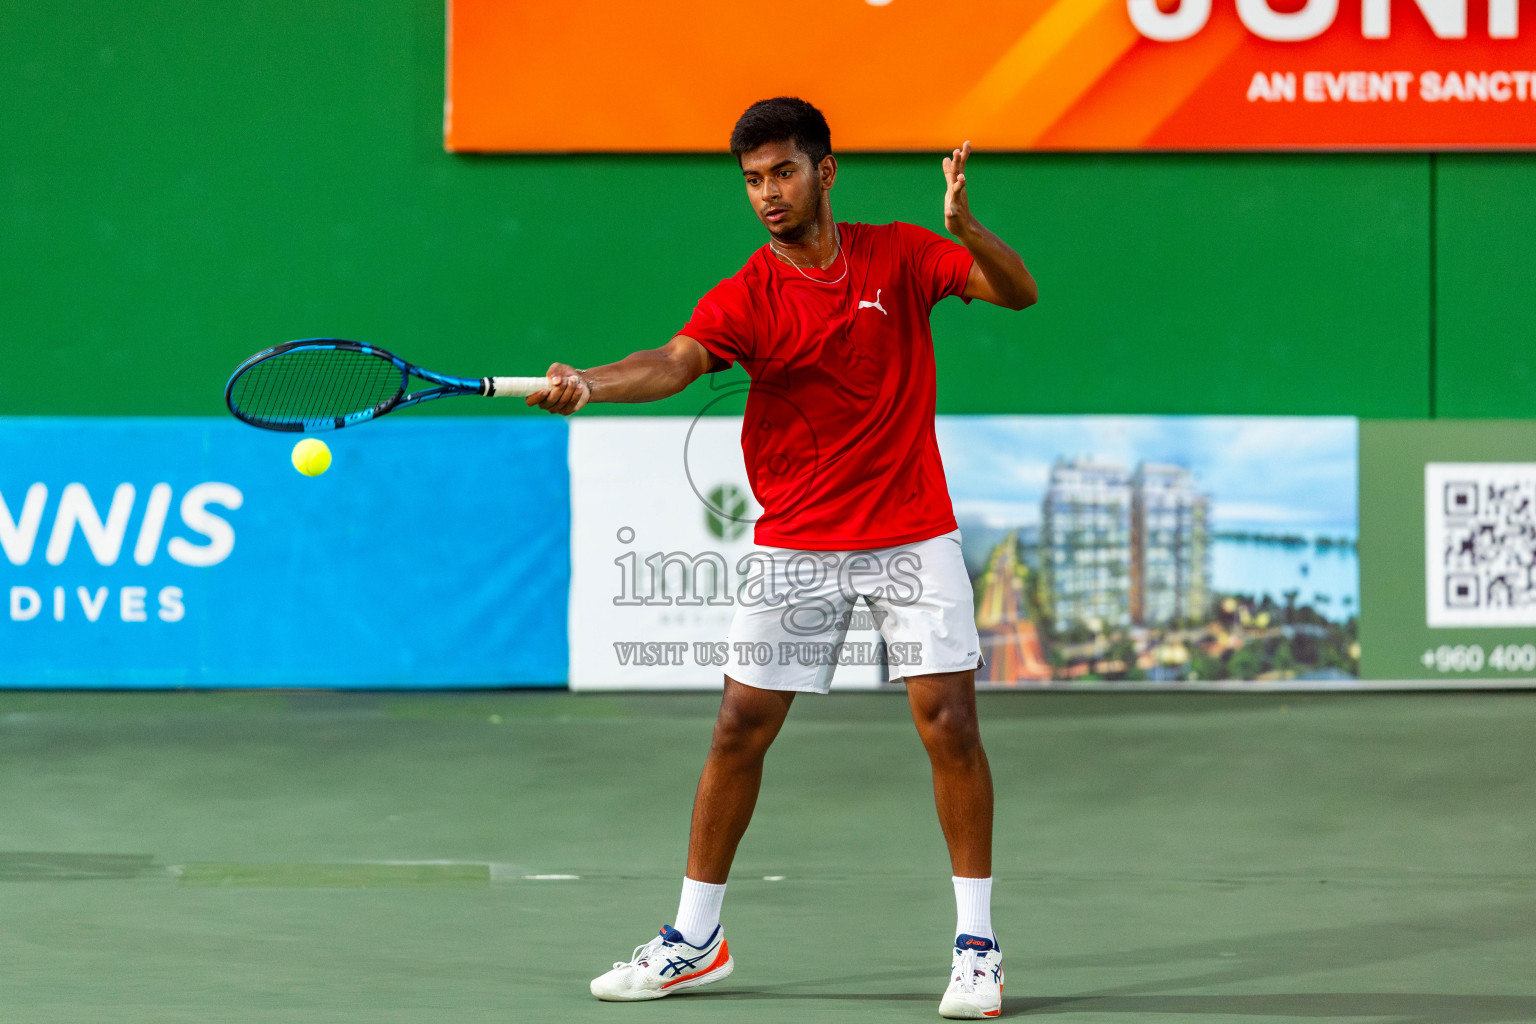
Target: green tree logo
{"x":726,"y":513}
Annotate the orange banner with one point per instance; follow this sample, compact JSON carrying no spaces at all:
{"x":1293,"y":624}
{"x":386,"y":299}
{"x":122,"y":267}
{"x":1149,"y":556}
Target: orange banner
{"x":585,"y":75}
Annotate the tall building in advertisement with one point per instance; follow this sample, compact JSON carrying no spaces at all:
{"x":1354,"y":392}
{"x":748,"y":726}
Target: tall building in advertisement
{"x":1170,"y":546}
{"x":1085,"y":544}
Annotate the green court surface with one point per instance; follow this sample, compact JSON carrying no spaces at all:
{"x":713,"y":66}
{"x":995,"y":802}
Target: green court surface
{"x":374,"y":858}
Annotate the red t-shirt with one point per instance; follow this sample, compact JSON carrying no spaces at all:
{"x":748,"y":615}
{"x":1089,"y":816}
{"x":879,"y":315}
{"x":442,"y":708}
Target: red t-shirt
{"x":838,"y":429}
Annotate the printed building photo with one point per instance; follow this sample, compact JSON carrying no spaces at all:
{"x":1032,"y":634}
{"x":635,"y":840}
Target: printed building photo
{"x":1159,"y":550}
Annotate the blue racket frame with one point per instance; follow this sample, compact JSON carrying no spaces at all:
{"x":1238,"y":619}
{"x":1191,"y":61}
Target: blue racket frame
{"x":446,"y":385}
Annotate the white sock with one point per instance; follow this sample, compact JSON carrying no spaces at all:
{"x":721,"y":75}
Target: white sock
{"x":698,"y":913}
{"x":973,"y":907}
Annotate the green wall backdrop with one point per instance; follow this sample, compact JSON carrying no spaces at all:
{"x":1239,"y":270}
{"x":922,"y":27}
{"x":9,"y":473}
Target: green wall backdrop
{"x":183,"y":183}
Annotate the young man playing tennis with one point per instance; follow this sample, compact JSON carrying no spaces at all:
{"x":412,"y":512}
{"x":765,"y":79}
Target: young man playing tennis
{"x":831,"y":322}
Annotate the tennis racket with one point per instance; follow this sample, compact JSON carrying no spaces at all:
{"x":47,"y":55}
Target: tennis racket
{"x":326,"y":384}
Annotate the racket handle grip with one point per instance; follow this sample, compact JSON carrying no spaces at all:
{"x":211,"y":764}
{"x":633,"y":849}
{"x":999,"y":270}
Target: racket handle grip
{"x":513,"y":387}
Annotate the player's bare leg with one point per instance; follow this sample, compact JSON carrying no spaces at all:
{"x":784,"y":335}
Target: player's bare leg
{"x":749,"y":720}
{"x":944,"y":708}
{"x":693,"y":952}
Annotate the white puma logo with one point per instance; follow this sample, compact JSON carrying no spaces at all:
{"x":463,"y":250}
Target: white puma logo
{"x":865,"y":303}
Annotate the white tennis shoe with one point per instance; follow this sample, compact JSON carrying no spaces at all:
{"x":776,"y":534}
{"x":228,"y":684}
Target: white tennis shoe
{"x":975,"y":980}
{"x":665,"y":965}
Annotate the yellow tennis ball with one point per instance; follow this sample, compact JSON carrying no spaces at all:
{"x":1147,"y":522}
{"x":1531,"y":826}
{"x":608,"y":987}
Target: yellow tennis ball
{"x":311,"y":456}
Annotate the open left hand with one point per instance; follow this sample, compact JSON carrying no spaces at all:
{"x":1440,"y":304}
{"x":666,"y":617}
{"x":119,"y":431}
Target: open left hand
{"x":957,"y":205}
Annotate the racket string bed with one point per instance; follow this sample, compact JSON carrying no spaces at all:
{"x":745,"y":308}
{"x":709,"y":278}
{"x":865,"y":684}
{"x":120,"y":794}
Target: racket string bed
{"x":329,"y":383}
{"x":316,"y":386}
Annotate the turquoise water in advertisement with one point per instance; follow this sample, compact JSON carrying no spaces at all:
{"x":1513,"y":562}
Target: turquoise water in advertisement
{"x":1327,"y":579}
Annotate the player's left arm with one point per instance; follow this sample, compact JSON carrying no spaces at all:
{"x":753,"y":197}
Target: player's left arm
{"x":998,"y":274}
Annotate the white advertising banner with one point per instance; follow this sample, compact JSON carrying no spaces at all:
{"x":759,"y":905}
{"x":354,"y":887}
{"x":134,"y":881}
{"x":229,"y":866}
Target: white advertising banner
{"x":1102,"y":550}
{"x":661,"y":516}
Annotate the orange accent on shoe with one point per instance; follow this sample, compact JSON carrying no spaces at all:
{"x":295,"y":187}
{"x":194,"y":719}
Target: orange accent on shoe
{"x":997,"y":1012}
{"x":720,"y":958}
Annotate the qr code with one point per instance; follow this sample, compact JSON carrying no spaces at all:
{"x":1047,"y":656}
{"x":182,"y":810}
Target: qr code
{"x":1480,"y":543}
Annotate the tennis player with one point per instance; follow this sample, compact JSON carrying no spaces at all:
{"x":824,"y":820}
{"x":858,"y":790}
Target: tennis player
{"x":830,"y":320}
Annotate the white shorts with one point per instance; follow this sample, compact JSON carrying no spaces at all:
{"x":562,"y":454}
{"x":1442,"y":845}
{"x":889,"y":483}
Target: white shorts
{"x":788,"y":632}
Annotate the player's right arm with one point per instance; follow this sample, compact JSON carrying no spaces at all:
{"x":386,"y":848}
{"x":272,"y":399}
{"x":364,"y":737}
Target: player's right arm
{"x":644,"y":376}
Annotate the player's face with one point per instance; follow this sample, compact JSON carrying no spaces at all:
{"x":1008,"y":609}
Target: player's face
{"x":784,"y":187}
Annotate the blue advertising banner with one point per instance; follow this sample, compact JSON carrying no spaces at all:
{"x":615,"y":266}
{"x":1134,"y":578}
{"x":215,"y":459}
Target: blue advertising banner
{"x":188,"y":552}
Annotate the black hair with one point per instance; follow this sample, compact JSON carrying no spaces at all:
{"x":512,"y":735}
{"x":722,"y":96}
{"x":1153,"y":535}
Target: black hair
{"x":783,"y":118}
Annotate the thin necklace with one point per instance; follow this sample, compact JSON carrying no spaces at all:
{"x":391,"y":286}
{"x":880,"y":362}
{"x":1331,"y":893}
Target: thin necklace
{"x":838,"y":235}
